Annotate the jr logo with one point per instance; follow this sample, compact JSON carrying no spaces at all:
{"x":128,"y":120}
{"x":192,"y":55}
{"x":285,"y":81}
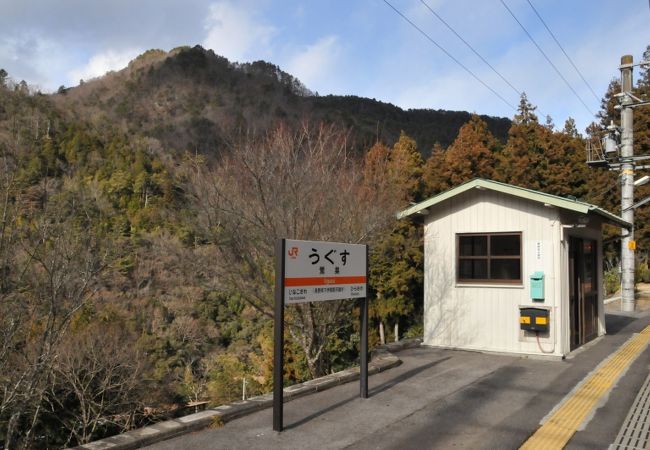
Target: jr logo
{"x":293,"y":252}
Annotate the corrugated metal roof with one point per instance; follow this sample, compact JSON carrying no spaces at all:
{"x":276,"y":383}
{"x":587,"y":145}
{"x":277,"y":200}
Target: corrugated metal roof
{"x":541,"y":197}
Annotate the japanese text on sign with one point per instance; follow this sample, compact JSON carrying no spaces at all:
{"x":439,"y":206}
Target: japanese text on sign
{"x":317,"y":271}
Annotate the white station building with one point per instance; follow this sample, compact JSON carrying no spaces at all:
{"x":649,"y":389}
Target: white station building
{"x":511,"y":270}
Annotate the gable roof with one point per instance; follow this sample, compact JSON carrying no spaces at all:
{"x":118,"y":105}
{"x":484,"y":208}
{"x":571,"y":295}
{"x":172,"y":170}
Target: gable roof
{"x":529,"y":194}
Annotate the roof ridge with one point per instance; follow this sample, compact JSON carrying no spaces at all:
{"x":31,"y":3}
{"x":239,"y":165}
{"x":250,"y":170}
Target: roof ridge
{"x":522,"y":192}
{"x":569,"y":199}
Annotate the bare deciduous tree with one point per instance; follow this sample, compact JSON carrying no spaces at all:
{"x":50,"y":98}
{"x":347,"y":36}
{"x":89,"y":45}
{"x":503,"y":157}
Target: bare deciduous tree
{"x":96,"y":378}
{"x":298,"y":184}
{"x":52,"y":263}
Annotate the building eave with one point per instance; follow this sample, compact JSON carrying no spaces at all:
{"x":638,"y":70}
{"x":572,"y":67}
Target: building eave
{"x":547,"y":199}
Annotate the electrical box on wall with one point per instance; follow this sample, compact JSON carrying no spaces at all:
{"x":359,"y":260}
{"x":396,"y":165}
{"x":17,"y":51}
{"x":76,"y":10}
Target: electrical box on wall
{"x":534,"y":319}
{"x":537,"y":286}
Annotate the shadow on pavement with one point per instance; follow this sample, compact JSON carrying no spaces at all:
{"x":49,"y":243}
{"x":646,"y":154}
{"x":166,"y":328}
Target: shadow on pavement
{"x":405,"y":376}
{"x":614,"y":323}
{"x":463,"y":412}
{"x":372,"y":392}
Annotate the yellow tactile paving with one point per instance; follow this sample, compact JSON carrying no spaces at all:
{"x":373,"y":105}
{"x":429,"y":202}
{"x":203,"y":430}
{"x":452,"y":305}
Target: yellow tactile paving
{"x":558,"y":429}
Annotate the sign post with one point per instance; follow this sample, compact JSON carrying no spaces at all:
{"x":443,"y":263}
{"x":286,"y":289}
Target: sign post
{"x":311,"y":271}
{"x":363,"y":360}
{"x":278,"y":342}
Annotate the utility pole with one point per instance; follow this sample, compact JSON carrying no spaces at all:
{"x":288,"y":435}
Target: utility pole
{"x":621,"y":157}
{"x":627,"y":186}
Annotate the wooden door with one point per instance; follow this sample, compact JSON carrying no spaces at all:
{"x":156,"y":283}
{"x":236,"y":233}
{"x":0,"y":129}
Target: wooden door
{"x":589,"y":290}
{"x":583,"y":291}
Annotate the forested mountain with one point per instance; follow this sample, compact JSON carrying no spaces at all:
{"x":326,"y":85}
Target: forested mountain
{"x":191,"y":100}
{"x":138,"y":215}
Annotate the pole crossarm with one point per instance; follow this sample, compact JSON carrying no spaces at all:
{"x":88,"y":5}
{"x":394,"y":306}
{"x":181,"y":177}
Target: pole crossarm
{"x":631,"y":65}
{"x":637,"y":204}
{"x":639,"y":103}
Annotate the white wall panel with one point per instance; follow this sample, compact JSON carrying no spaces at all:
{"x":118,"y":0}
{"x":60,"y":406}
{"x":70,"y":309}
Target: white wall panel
{"x":486,"y":317}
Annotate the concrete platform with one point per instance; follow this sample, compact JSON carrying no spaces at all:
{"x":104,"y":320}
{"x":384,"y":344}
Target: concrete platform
{"x":445,"y":399}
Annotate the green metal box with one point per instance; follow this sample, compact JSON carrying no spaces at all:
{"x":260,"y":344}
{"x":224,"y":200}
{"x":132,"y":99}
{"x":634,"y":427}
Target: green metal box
{"x":537,"y":286}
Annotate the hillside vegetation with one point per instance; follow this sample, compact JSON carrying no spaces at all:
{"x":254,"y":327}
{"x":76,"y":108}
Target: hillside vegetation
{"x":191,"y":99}
{"x":139,"y":213}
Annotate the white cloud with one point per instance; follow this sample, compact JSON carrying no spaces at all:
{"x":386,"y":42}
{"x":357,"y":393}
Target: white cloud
{"x":316,"y":64}
{"x":34,"y":58}
{"x":8,"y":51}
{"x":101,"y":63}
{"x":235,"y":33}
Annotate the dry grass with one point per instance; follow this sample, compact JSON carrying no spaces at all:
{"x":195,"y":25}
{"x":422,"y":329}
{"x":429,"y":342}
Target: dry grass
{"x":217,"y":422}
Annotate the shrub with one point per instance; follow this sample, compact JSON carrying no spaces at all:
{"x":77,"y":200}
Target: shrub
{"x":612,"y":281}
{"x":415,"y":331}
{"x":642,"y":273}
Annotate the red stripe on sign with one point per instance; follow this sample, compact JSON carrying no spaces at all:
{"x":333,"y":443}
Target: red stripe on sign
{"x":323,"y":281}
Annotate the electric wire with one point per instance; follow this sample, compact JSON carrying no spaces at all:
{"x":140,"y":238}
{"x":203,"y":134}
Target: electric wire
{"x":430,"y":39}
{"x":547,"y":59}
{"x":519,"y":93}
{"x":562,"y":48}
{"x":471,"y":48}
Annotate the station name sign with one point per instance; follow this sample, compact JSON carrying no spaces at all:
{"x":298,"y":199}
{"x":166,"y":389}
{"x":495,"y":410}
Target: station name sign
{"x":313,"y":271}
{"x":319,"y":271}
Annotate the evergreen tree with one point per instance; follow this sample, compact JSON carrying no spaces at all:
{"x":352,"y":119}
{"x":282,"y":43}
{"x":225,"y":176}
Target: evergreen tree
{"x":472,"y":155}
{"x":523,"y":158}
{"x":396,"y":277}
{"x":608,"y":112}
{"x":537,"y":157}
{"x":570,"y":128}
{"x":525,"y":112}
{"x":396,"y":257}
{"x":434,"y":171}
{"x":642,"y":114}
{"x":405,"y":168}
{"x":565,"y":171}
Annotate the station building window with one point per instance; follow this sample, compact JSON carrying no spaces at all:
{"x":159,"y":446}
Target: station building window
{"x":488,"y":258}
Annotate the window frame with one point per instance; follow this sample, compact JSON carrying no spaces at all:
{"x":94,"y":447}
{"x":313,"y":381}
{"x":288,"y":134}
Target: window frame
{"x":488,"y":258}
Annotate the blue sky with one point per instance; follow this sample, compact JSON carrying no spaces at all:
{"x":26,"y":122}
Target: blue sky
{"x":357,"y":47}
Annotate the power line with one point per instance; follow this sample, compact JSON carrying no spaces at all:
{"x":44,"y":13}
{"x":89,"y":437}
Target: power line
{"x":430,"y":39}
{"x":547,"y":58}
{"x":471,"y":48}
{"x":517,"y":91}
{"x":562,"y":48}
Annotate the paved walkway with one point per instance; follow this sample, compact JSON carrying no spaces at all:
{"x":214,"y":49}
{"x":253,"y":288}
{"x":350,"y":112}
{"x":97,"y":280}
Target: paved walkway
{"x":572,"y":412}
{"x":443,"y":399}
